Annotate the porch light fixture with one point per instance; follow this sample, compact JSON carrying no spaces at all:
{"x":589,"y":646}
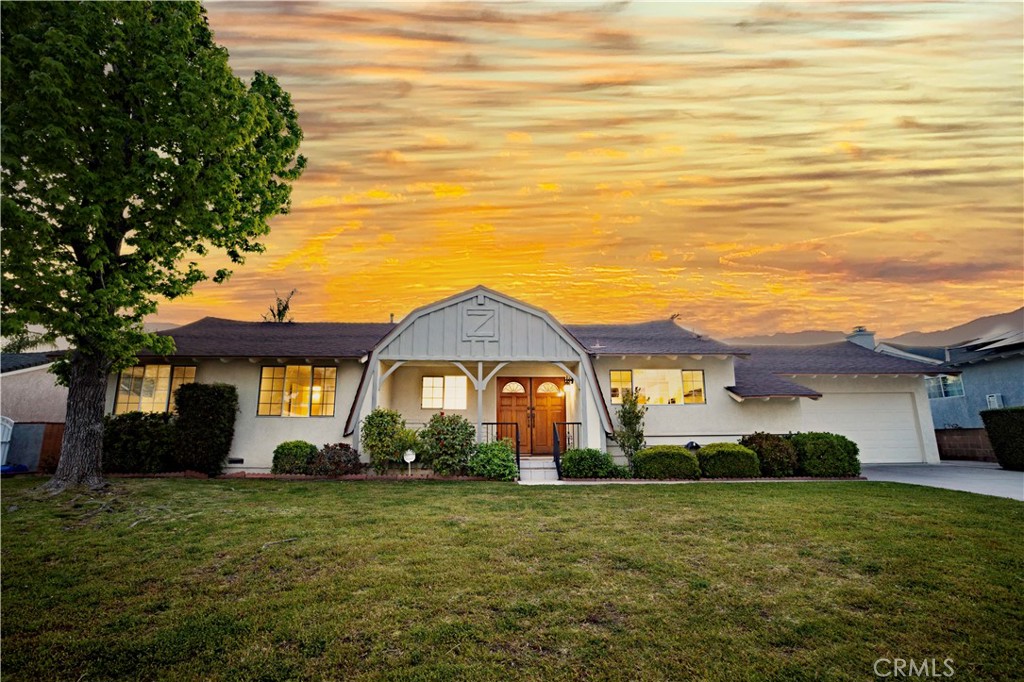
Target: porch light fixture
{"x":569,"y":381}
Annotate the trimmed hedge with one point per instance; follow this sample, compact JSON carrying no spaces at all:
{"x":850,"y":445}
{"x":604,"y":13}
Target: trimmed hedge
{"x":666,"y":461}
{"x":776,"y":454}
{"x":1005,"y":427}
{"x":496,"y":461}
{"x":205,"y":426}
{"x":728,"y":460}
{"x":590,"y":463}
{"x":823,"y":454}
{"x":293,"y":457}
{"x":382,"y":438}
{"x":138,"y":443}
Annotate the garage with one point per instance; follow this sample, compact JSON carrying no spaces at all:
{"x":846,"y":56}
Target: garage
{"x":884,"y":425}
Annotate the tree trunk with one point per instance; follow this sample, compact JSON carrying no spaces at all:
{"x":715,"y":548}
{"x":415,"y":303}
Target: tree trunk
{"x":82,"y":447}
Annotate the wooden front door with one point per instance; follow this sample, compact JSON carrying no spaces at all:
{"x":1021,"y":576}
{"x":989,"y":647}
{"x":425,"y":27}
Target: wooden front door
{"x":536,"y":404}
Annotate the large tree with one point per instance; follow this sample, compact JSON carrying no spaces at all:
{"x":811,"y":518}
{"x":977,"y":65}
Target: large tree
{"x":128,"y":151}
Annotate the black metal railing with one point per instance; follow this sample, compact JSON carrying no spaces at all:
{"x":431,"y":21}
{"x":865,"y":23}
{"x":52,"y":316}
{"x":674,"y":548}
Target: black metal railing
{"x":498,"y":431}
{"x":567,"y":434}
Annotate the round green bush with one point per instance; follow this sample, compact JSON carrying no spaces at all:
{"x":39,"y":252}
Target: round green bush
{"x":138,"y":443}
{"x":1005,"y":429}
{"x":496,"y":461}
{"x":588,"y":463}
{"x":448,"y":441}
{"x":293,"y":457}
{"x":728,"y":460}
{"x":825,"y":454}
{"x":382,"y":437}
{"x":775,"y":453}
{"x":666,"y":461}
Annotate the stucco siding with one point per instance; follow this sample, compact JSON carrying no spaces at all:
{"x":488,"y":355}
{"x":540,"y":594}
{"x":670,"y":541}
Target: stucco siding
{"x":1005,"y":377}
{"x":32,"y":395}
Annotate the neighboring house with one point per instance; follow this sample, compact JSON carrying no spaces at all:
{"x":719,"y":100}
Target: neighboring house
{"x":30,"y":395}
{"x":506,"y":365}
{"x":979,"y":374}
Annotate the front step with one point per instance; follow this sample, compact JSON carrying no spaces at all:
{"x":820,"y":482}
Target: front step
{"x":537,"y":469}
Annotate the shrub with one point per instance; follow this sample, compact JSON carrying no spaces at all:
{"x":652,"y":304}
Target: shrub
{"x":666,"y":461}
{"x":293,"y":457}
{"x":1005,"y":428}
{"x":776,"y":454}
{"x":448,"y":441}
{"x":630,"y":434}
{"x":382,"y":438}
{"x":205,"y":426}
{"x":589,"y":463}
{"x":728,"y":460}
{"x":825,"y":454}
{"x":496,"y":461}
{"x":138,"y":443}
{"x":335,"y":460}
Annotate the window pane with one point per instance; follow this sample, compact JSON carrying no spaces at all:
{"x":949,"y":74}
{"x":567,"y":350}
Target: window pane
{"x":455,"y":392}
{"x":270,"y":399}
{"x":934,"y":386}
{"x":433,"y":393}
{"x":513,"y":387}
{"x":659,"y":386}
{"x":693,"y":386}
{"x":179,"y":376}
{"x":297,"y":384}
{"x":323,"y":392}
{"x":953,"y":386}
{"x":621,"y":382}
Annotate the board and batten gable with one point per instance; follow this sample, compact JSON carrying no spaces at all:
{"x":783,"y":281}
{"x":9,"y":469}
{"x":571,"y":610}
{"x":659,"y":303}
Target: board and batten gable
{"x":478,"y":327}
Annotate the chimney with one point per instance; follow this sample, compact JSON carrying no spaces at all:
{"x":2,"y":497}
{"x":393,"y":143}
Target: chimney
{"x":862,"y":337}
{"x":392,"y":318}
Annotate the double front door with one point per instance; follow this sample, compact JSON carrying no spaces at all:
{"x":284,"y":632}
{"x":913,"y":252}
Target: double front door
{"x":536,"y":404}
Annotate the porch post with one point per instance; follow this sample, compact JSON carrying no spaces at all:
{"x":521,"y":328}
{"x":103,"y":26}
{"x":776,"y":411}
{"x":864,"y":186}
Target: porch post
{"x":374,"y":386}
{"x":479,"y":402}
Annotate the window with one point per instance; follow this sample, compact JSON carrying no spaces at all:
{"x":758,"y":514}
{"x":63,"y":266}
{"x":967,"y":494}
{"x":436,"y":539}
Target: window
{"x":622,"y":383}
{"x":447,"y":393}
{"x":150,"y":388}
{"x":693,"y":386}
{"x":513,"y":387}
{"x":548,"y":387}
{"x":297,"y":391}
{"x":659,"y":386}
{"x":944,"y":387}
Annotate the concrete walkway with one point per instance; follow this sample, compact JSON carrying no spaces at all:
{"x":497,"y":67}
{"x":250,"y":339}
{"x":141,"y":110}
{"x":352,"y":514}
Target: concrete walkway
{"x":984,"y":478}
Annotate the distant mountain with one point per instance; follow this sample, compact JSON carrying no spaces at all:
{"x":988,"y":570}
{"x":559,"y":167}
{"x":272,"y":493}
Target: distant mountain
{"x":955,"y":336}
{"x":807,"y":338}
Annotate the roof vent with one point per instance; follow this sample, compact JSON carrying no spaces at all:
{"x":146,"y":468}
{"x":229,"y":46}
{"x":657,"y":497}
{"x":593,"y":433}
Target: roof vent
{"x":862,"y":337}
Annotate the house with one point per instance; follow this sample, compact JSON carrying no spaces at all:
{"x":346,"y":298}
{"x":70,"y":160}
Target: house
{"x":515,"y":371}
{"x":980,"y":374}
{"x":31,"y":398}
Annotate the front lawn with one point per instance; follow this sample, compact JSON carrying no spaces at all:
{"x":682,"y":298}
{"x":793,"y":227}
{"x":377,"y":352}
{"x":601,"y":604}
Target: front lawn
{"x":250,"y":579}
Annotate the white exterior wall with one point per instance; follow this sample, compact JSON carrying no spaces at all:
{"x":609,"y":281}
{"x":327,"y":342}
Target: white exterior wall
{"x":256,"y":437}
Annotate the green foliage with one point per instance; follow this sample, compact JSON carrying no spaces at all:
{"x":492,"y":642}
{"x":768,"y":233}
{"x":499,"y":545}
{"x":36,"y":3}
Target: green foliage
{"x":138,"y":443}
{"x":666,"y":461}
{"x":630,"y":434}
{"x":383,"y":437}
{"x":776,"y":453}
{"x":589,"y":463}
{"x":1005,"y":427}
{"x":728,"y":460}
{"x":338,"y":459}
{"x":293,"y":457}
{"x":281,"y":310}
{"x":825,"y":454}
{"x":496,"y":461}
{"x":130,"y":151}
{"x":205,"y":426}
{"x":448,"y":441}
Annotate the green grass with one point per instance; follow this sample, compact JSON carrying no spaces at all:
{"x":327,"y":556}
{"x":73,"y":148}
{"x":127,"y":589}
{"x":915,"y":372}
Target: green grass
{"x":437,"y":581}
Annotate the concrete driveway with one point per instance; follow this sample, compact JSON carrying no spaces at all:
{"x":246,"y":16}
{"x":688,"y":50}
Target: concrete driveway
{"x":984,"y":478}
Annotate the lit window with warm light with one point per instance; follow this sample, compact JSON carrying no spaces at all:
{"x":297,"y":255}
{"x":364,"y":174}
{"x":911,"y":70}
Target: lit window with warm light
{"x":297,"y":391}
{"x":444,"y":393}
{"x":150,"y":388}
{"x":659,"y":386}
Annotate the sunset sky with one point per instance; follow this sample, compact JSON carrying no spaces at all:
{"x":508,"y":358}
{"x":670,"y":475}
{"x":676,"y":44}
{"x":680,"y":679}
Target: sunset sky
{"x":755,"y":167}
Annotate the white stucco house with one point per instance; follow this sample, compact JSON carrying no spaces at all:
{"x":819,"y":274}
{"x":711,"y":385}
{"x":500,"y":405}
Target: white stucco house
{"x":510,"y":367}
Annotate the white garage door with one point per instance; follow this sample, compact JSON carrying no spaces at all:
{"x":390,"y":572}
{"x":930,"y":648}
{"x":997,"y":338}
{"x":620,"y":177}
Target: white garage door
{"x":883,"y":425}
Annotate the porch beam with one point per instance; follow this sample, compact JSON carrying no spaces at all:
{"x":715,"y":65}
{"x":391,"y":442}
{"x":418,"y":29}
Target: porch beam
{"x":390,"y":371}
